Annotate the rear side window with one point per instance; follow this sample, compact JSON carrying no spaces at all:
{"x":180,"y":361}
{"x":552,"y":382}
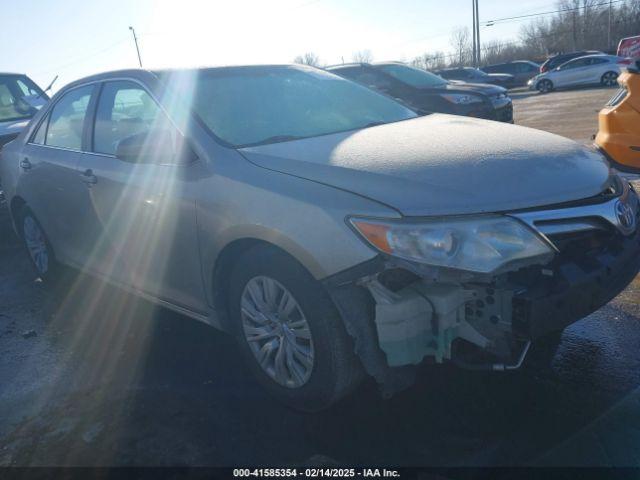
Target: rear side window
{"x":39,"y":137}
{"x":67,"y":118}
{"x":369,"y":78}
{"x":124,"y":109}
{"x":597,"y":61}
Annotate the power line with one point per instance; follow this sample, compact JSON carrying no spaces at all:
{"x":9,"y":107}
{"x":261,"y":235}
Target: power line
{"x":93,"y":54}
{"x":523,"y":17}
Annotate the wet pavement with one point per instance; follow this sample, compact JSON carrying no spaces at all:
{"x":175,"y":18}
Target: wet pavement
{"x":97,"y":377}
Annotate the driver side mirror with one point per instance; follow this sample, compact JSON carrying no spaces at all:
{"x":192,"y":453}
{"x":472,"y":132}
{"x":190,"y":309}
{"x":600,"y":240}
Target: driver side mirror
{"x":156,"y":146}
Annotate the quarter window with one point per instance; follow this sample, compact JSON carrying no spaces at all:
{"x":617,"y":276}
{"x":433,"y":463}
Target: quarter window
{"x":124,"y":109}
{"x":39,"y":137}
{"x":66,"y":122}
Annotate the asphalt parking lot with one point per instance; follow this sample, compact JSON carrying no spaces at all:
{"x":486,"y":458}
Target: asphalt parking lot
{"x":92,"y":376}
{"x":570,"y":113}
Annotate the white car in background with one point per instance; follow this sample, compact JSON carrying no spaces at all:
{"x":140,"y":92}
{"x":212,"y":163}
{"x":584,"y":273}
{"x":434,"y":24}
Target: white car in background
{"x":587,"y":70}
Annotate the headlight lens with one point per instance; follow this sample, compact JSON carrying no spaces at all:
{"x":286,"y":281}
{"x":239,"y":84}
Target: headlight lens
{"x":481,"y":244}
{"x":461,"y":99}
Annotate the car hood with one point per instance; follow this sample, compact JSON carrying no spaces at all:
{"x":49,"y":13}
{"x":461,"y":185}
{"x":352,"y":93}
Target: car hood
{"x":12,"y":127}
{"x":443,"y":165}
{"x":485,"y":88}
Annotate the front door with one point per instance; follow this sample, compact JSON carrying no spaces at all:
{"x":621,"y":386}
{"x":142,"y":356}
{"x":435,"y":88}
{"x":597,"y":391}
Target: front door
{"x":141,"y":215}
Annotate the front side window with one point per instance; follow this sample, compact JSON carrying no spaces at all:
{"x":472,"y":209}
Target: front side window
{"x":124,"y":109}
{"x":258,"y":105}
{"x":17,"y":95}
{"x":413,"y":76}
{"x":66,"y":121}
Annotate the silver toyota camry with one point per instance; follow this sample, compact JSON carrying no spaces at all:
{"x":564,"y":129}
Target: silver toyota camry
{"x":332,"y":232}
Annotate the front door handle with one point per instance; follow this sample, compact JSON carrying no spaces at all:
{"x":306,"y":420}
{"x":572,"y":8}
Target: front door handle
{"x":89,"y":178}
{"x":25,"y":164}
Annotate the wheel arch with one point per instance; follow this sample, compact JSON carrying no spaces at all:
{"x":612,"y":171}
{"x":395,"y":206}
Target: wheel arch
{"x":231,"y":253}
{"x":16,"y":204}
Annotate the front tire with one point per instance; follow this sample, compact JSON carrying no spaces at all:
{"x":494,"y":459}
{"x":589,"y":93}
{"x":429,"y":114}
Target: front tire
{"x":544,"y":86}
{"x":609,"y":79}
{"x":290,"y":332}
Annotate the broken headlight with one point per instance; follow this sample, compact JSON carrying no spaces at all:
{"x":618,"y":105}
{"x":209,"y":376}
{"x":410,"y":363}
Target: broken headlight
{"x":480,"y":244}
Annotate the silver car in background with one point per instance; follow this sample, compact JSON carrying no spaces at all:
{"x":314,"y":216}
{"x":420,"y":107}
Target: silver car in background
{"x":587,"y":70}
{"x":329,"y":229}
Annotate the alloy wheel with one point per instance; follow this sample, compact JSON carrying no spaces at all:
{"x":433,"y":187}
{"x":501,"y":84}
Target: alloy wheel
{"x":609,"y":79}
{"x":544,"y":86}
{"x":277,"y":331}
{"x":36,"y":244}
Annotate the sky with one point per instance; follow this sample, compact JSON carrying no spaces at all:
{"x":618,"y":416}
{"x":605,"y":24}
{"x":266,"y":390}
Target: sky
{"x":75,"y":38}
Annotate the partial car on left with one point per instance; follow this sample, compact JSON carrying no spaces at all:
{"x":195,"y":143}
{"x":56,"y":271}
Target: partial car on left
{"x":20,"y":100}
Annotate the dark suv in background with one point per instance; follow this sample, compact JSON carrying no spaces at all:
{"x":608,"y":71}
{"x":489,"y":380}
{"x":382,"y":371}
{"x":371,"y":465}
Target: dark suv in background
{"x":474,"y":75}
{"x":425,"y":92}
{"x":522,"y":70}
{"x":560,"y":58}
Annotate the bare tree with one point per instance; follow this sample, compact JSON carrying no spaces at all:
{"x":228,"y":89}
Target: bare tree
{"x":430,"y":61}
{"x":362,"y":56}
{"x":460,"y":42}
{"x":308,"y":58}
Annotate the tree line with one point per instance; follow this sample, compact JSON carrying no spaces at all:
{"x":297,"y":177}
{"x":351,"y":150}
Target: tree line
{"x":577,"y":25}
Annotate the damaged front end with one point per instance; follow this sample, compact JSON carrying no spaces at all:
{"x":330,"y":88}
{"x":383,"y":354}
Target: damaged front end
{"x":402,"y":312}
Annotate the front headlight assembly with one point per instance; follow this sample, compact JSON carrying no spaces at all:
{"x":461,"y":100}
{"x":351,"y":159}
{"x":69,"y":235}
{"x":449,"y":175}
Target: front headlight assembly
{"x":481,"y":244}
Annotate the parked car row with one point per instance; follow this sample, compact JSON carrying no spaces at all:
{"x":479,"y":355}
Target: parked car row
{"x":332,"y":230}
{"x":425,"y":92}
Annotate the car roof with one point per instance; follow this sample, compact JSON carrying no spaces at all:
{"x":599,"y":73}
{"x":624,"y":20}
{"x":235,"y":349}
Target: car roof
{"x":346,"y":65}
{"x":140,"y":72}
{"x":595,"y":55}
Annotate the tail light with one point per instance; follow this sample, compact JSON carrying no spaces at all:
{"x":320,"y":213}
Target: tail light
{"x":543,"y":68}
{"x":625,"y":61}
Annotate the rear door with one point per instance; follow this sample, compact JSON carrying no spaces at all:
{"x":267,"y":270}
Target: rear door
{"x":140,"y":217}
{"x":572,"y":73}
{"x":597,"y":67}
{"x":49,"y":179}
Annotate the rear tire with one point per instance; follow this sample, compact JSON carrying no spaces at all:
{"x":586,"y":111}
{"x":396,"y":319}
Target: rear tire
{"x":38,"y":247}
{"x":544,"y":86}
{"x":309,"y":362}
{"x":609,"y":79}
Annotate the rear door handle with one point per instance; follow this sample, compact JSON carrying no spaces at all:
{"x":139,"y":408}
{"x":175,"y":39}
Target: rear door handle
{"x":25,"y":164}
{"x":89,"y":178}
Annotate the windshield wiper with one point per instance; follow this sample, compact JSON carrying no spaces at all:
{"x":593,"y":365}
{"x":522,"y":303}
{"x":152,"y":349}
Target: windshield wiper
{"x":274,"y":139}
{"x":373,"y":124}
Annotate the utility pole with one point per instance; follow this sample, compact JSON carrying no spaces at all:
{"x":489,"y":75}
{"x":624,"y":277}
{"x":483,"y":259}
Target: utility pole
{"x":479,"y":54}
{"x":135,"y":40}
{"x":609,"y":29}
{"x":475,"y":26}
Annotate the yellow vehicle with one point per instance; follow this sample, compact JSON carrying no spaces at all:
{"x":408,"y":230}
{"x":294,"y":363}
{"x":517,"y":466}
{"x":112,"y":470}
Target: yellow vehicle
{"x":619,"y":124}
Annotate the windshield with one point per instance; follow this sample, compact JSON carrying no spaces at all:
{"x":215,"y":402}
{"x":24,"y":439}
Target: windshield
{"x":252,"y":106}
{"x":18,"y":98}
{"x":413,"y":76}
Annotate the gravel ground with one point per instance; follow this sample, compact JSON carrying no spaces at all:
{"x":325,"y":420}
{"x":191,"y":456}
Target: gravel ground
{"x":92,"y":376}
